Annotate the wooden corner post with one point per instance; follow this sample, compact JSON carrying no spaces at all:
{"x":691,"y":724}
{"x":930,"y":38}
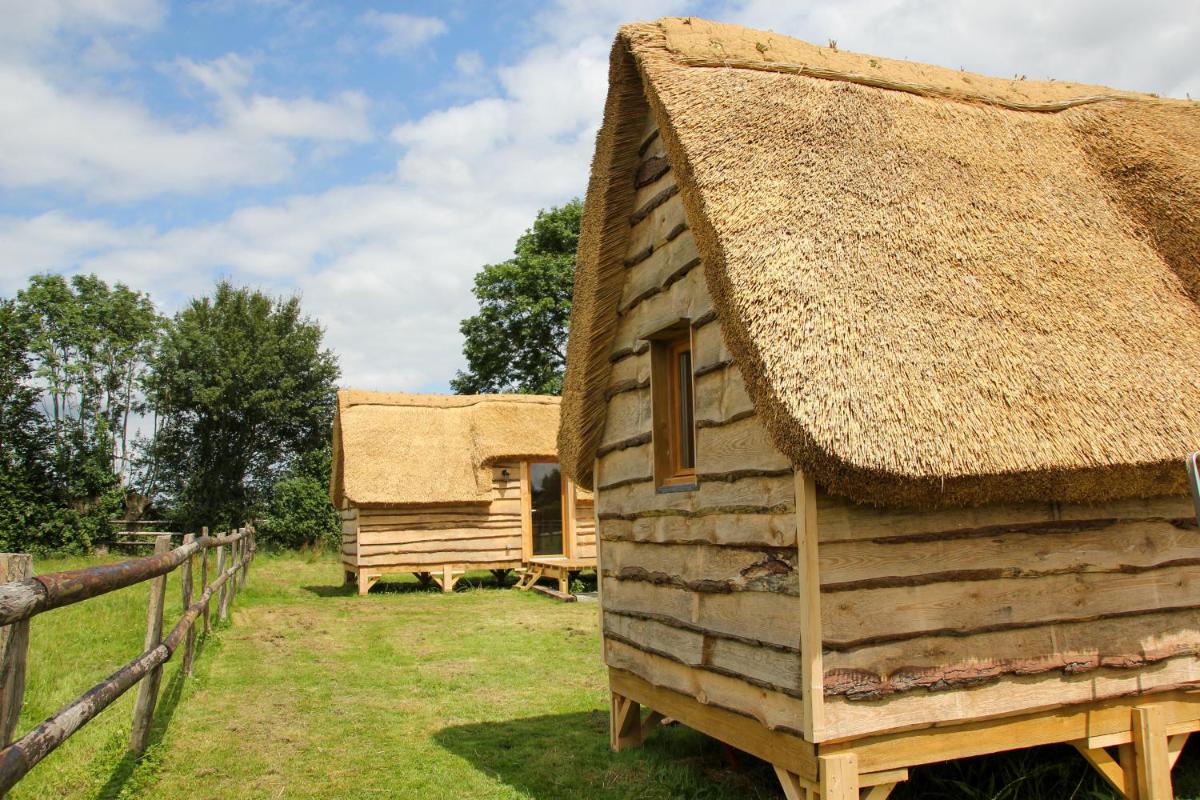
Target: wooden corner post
{"x":143,"y":709}
{"x":625,"y":723}
{"x":14,"y":649}
{"x":812,"y":687}
{"x":186,"y":578}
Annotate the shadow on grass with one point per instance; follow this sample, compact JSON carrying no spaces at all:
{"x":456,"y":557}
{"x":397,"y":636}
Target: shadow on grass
{"x":413,"y":586}
{"x":567,"y":755}
{"x":164,"y":710}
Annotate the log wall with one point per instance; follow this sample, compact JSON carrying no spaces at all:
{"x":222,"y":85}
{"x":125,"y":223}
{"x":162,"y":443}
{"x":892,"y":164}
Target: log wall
{"x":960,"y":614}
{"x":470,"y":535}
{"x":699,"y":588}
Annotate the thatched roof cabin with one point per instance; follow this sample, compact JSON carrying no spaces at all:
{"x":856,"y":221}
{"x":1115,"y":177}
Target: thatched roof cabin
{"x":435,"y":484}
{"x":883,"y":375}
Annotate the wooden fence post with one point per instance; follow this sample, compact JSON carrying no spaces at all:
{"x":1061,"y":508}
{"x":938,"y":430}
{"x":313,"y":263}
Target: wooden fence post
{"x":143,"y":709}
{"x":222,"y":604}
{"x":185,"y":575}
{"x":14,"y":646}
{"x":247,"y":554}
{"x":235,"y":554}
{"x":204,"y":579}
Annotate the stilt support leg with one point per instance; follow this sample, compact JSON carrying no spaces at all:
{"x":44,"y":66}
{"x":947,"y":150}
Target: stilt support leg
{"x":625,"y":723}
{"x":448,"y":579}
{"x":793,"y":789}
{"x":365,"y":582}
{"x":1153,"y":761}
{"x":1119,"y":774}
{"x":838,"y":776}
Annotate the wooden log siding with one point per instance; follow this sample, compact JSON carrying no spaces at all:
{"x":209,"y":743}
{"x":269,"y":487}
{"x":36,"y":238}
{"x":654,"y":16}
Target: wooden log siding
{"x":1002,"y":608}
{"x":699,"y":587}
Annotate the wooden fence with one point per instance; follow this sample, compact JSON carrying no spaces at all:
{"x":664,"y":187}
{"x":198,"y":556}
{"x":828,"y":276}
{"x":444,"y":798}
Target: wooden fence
{"x":23,"y":596}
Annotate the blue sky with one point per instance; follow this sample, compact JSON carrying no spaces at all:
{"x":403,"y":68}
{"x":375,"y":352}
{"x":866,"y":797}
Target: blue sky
{"x":372,"y":156}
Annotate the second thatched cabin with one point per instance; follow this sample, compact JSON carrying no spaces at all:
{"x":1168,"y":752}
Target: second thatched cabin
{"x":883,"y":375}
{"x":439,"y":485}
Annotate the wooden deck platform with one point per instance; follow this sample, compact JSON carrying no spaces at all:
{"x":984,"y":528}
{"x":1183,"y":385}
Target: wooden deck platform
{"x":559,"y":568}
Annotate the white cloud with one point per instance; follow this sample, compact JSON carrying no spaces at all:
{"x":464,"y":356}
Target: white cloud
{"x":33,"y":24}
{"x":403,"y":33}
{"x":342,"y":119}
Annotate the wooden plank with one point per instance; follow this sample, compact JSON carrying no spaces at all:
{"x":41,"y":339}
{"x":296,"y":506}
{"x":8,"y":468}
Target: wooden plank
{"x":14,"y":650}
{"x":396,"y":536}
{"x":462,"y":545}
{"x":769,"y":667}
{"x":776,"y":747}
{"x":721,"y":396}
{"x":854,"y":619}
{"x":739,"y":446}
{"x":652,"y":231}
{"x":526,"y":510}
{"x":1119,"y":547}
{"x":685,"y":299}
{"x":748,"y":616}
{"x":741,"y":494}
{"x":629,"y":464}
{"x":839,"y":519}
{"x":555,"y":594}
{"x":937,"y":662}
{"x":767,"y":530}
{"x":774,"y":710}
{"x":1052,"y":725}
{"x":718,"y":569}
{"x":811,"y":670}
{"x":1014,"y":695}
{"x":664,"y":262}
{"x":1105,"y":765}
{"x":423,"y":560}
{"x":143,"y":709}
{"x":1150,"y":748}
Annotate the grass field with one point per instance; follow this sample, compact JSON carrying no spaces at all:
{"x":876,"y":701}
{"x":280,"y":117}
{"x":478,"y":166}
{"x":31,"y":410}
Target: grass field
{"x":488,"y":693}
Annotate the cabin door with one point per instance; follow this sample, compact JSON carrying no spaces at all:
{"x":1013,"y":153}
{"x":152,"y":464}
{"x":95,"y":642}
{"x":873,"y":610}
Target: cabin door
{"x":546,"y":509}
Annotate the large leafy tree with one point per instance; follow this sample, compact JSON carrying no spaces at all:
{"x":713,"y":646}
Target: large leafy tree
{"x":517,"y":342}
{"x":243,"y":388}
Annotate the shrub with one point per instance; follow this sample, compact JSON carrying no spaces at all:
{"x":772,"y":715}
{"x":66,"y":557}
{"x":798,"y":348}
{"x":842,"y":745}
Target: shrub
{"x":300,"y":515}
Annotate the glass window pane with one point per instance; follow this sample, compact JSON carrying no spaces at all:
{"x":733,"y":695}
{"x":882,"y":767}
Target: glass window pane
{"x":687,"y":455}
{"x":546,"y":505}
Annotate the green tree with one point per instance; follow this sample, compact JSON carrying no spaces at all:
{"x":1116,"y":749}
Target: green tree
{"x":242,"y":388}
{"x":517,"y":342}
{"x":299,"y":513}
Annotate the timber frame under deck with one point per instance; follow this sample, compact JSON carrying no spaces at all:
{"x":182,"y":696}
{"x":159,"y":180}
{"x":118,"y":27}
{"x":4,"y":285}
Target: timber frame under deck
{"x":1132,"y":742}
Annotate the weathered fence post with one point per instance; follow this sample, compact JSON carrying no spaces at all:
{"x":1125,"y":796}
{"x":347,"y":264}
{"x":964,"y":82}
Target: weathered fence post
{"x":247,"y":554}
{"x":185,"y":575}
{"x":204,"y":578}
{"x":143,"y":709}
{"x":235,"y":552}
{"x":222,"y":604}
{"x":14,"y":646}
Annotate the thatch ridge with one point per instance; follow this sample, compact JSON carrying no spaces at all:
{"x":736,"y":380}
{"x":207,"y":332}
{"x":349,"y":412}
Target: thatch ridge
{"x":430,"y":449}
{"x":1033,"y":337}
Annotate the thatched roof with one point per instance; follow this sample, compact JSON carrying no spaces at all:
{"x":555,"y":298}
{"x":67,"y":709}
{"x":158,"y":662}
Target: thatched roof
{"x":426,"y":449}
{"x":940,"y":288}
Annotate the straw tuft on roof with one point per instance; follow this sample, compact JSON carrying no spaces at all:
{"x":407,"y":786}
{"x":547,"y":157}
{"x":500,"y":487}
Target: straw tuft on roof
{"x":429,"y":449}
{"x":940,"y":288}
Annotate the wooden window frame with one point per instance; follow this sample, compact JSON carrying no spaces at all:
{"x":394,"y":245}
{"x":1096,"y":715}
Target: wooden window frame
{"x":666,"y":345}
{"x":568,"y":511}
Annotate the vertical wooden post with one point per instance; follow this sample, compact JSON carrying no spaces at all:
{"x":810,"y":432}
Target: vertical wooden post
{"x":447,"y":578}
{"x":838,"y":776}
{"x":234,"y":554}
{"x":143,"y":709}
{"x":625,"y":723}
{"x":1127,"y":758}
{"x":204,"y":579}
{"x":185,"y":576}
{"x":222,"y":605}
{"x":14,"y":647}
{"x":1150,"y":747}
{"x":247,"y":554}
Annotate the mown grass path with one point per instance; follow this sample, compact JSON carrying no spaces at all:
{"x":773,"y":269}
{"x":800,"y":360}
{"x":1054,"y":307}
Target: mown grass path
{"x":486,"y":693}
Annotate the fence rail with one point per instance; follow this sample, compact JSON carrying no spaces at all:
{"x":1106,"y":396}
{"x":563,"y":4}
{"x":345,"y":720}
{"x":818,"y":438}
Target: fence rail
{"x":22,"y":599}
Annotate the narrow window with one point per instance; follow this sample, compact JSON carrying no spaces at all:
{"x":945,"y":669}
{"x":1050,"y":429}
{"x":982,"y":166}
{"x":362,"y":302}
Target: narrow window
{"x":674,"y":412}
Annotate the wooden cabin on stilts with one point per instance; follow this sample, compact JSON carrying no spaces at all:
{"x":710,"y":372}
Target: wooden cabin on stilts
{"x":440,"y":485}
{"x":883,"y":376}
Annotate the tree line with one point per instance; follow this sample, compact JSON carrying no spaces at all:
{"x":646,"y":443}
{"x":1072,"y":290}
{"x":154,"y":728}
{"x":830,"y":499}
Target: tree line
{"x":109,"y":409}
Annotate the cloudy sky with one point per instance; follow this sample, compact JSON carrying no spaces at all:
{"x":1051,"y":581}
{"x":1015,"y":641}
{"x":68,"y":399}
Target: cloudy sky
{"x":372,"y":156}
